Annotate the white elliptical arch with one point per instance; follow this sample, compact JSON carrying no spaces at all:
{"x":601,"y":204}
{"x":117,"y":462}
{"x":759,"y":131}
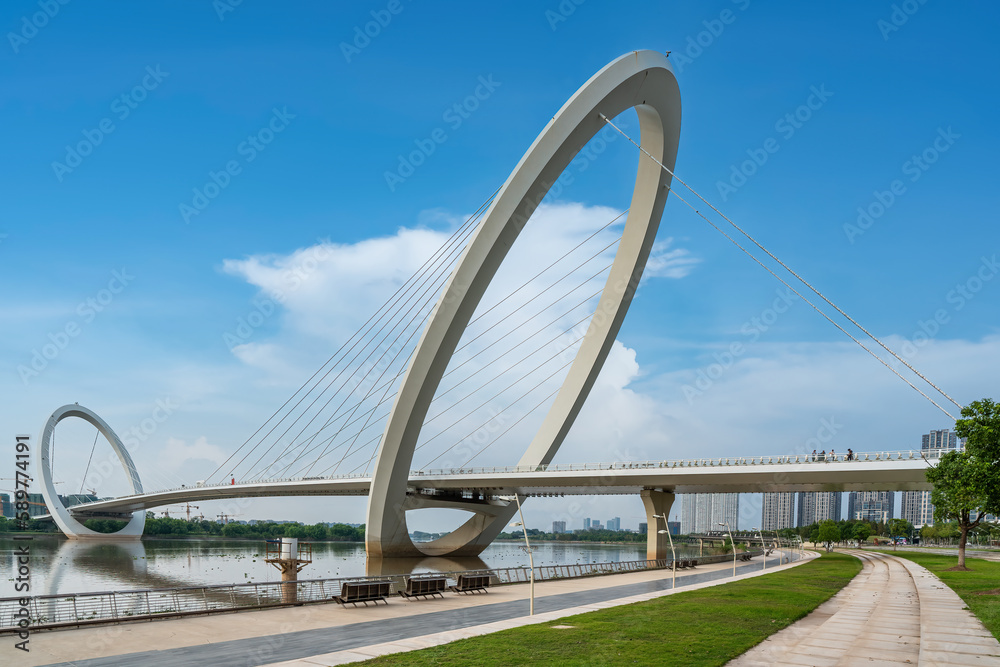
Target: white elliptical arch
{"x":72,"y":528}
{"x":642,"y":80}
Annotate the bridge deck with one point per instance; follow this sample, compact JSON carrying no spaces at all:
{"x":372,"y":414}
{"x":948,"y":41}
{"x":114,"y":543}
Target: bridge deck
{"x":882,"y":471}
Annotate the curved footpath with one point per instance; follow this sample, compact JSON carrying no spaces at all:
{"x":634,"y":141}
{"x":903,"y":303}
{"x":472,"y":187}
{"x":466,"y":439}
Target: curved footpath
{"x":894,"y":612}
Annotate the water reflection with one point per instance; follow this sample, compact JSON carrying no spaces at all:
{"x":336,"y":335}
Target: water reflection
{"x":65,"y":566}
{"x":390,"y":566}
{"x":124,"y":561}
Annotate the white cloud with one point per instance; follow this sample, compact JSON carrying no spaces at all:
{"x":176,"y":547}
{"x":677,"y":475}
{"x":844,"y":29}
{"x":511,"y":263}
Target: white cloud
{"x":667,"y":262}
{"x":177,"y":456}
{"x":326,"y":292}
{"x":771,"y":400}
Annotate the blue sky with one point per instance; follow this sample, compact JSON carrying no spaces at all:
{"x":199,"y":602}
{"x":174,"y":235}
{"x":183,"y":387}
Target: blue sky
{"x":198,"y":81}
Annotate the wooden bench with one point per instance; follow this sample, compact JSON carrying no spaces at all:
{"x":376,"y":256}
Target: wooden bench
{"x":424,"y":587}
{"x":353,"y":592}
{"x":472,"y":583}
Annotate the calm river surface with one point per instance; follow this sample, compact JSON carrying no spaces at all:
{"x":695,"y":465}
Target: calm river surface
{"x":64,"y":566}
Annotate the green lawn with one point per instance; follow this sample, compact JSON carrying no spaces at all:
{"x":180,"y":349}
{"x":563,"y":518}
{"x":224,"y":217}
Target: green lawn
{"x":704,"y":627}
{"x":985,"y":576}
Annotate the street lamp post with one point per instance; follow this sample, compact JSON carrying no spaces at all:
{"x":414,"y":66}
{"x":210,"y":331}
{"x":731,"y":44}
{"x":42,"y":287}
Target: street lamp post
{"x":730,"y":531}
{"x":763,"y":547}
{"x":531,"y":561}
{"x":673,"y":554}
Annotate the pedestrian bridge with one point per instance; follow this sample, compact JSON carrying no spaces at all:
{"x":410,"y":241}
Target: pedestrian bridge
{"x":871,"y":471}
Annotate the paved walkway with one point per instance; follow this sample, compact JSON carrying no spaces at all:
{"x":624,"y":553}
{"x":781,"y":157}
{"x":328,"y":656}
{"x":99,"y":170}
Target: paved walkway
{"x":894,"y":612}
{"x":327,"y":634}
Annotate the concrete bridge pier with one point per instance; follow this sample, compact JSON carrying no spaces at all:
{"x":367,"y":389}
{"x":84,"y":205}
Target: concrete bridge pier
{"x":657,"y":502}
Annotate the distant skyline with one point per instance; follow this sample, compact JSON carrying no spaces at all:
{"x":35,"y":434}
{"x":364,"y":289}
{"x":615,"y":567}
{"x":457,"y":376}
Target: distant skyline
{"x":203,"y":200}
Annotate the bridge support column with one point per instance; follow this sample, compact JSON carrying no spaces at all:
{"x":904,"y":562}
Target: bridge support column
{"x":657,"y":502}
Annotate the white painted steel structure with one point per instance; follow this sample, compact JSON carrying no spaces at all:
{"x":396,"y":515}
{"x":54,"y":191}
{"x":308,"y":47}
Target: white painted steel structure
{"x":69,"y":525}
{"x":898,"y":471}
{"x":641,"y":80}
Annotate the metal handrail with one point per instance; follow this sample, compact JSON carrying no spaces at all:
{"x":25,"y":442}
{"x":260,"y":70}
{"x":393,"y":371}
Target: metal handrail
{"x":76,"y":609}
{"x":783,"y":459}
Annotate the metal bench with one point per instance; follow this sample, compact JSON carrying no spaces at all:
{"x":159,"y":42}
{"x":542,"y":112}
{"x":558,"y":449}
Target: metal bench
{"x":353,"y":592}
{"x":472,"y":583}
{"x":424,"y":587}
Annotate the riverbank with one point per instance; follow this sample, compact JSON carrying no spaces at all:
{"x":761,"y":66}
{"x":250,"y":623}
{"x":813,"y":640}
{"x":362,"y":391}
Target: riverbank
{"x":295,"y":633}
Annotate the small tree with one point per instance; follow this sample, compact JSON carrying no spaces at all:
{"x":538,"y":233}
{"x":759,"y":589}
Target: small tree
{"x":967,"y":484}
{"x":898,"y":528}
{"x":828,"y":533}
{"x":862,"y":531}
{"x":958,"y":494}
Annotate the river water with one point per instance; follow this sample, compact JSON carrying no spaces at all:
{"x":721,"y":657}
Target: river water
{"x":69,"y":566}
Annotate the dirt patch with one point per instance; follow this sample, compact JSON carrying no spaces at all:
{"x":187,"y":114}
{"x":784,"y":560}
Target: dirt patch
{"x":958,"y":568}
{"x":994,"y":591}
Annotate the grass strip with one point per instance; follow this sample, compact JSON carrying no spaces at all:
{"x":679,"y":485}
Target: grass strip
{"x":972,"y":586}
{"x":709,"y":626}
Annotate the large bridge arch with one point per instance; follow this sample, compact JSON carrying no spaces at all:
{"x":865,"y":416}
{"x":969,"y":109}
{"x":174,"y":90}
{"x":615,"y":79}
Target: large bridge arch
{"x":72,"y":528}
{"x":643,"y":80}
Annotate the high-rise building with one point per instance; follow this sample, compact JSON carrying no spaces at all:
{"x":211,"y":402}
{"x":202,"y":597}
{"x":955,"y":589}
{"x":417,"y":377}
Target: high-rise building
{"x":615,"y":523}
{"x":818,"y":506}
{"x":778,"y":511}
{"x":586,"y":524}
{"x":6,"y":509}
{"x":643,"y":527}
{"x":916,"y":506}
{"x":943,"y":439}
{"x":674,"y":527}
{"x":703,"y":512}
{"x":558,"y":527}
{"x":877,"y":506}
{"x":595,"y":524}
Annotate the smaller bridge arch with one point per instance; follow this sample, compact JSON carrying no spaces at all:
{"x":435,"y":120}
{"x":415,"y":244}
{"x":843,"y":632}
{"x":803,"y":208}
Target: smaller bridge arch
{"x":72,"y":528}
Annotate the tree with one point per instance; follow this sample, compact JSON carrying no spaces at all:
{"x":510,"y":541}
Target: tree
{"x":967,"y":484}
{"x":959,"y":481}
{"x":898,"y":528}
{"x":828,"y":533}
{"x":317,"y":531}
{"x":862,"y":531}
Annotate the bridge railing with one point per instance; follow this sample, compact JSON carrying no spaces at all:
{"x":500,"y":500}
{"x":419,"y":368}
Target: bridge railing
{"x":77,"y":609}
{"x":859,"y":458}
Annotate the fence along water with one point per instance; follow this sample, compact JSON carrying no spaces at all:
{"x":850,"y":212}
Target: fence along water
{"x":79,"y":609}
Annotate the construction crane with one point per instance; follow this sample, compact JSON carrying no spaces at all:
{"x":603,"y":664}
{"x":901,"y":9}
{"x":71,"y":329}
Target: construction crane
{"x":189,"y":506}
